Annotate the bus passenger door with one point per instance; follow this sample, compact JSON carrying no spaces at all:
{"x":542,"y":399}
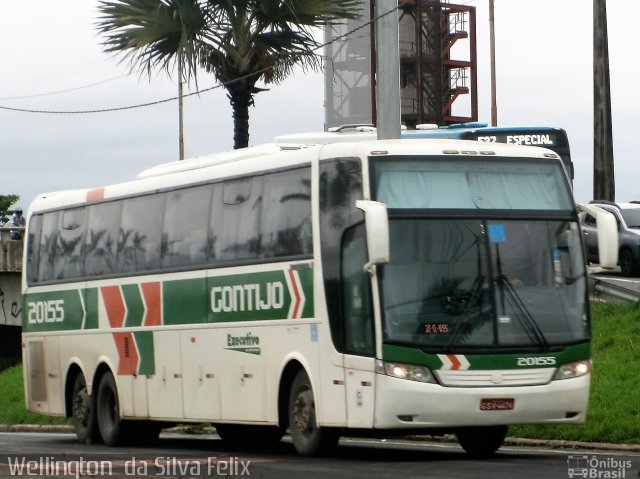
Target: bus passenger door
{"x":357,"y":314}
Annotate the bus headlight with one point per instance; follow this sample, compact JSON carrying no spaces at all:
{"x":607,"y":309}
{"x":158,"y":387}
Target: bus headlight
{"x":573,"y":370}
{"x":412,"y":372}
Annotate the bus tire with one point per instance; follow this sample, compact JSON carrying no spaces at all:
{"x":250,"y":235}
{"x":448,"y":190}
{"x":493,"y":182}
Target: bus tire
{"x":110,"y":424}
{"x":308,"y":438}
{"x":83,"y":412}
{"x":481,"y":442}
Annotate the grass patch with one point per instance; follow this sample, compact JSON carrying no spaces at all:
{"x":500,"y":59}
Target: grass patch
{"x":13,"y":410}
{"x":614,"y":408}
{"x":614,"y":405}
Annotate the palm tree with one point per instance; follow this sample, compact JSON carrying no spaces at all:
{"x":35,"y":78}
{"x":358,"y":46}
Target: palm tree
{"x":155,"y":34}
{"x":240,"y":41}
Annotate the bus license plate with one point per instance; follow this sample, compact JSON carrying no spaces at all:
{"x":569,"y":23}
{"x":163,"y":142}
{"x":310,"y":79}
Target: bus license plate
{"x":502,"y":404}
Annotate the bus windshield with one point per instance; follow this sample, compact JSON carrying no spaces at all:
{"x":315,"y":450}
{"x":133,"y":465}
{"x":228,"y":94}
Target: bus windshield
{"x":471,"y":280}
{"x":484,"y":283}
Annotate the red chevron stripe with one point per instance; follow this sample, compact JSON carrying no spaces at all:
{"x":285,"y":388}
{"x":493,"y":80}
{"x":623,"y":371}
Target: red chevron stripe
{"x":153,"y":304}
{"x":296,"y":293}
{"x":455,"y":362}
{"x":128,"y":358}
{"x":114,"y":304}
{"x":127,"y":354}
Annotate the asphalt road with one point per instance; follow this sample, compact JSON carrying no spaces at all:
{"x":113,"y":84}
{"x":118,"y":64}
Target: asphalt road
{"x":183,"y":456}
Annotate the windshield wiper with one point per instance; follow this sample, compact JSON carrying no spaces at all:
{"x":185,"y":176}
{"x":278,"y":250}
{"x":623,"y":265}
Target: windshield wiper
{"x":527,"y":320}
{"x":474,"y":297}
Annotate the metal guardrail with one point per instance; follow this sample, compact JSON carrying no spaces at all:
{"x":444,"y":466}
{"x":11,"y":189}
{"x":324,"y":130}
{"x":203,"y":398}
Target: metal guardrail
{"x":607,"y":290}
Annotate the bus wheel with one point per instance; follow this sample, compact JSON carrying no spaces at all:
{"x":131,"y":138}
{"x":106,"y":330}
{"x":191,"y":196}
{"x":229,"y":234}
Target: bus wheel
{"x":83,"y":412}
{"x":108,"y":411}
{"x":308,"y":438}
{"x":481,"y":442}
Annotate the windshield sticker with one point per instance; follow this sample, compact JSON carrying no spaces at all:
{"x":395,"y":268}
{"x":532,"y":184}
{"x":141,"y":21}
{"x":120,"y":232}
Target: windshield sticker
{"x":436,"y":328}
{"x":497,"y":233}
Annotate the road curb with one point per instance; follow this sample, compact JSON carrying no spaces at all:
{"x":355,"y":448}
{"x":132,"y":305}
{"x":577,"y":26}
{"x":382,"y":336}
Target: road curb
{"x":509,"y":441}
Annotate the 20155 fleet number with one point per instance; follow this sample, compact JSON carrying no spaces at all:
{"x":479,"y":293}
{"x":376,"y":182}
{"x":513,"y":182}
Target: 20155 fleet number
{"x":51,"y":311}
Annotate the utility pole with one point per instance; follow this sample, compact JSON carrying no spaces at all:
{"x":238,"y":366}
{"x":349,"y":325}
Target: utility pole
{"x":387,"y":70}
{"x":180,"y":108}
{"x":603,"y":166}
{"x":492,"y":49}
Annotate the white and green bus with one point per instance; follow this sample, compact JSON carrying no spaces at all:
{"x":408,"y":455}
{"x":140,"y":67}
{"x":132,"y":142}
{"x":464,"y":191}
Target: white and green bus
{"x":366,"y":287}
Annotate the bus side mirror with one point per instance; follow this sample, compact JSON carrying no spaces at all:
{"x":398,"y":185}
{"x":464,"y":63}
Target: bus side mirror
{"x":377,"y":226}
{"x":607,"y":235}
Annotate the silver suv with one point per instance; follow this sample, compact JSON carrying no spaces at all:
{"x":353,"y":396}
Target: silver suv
{"x":628,"y":218}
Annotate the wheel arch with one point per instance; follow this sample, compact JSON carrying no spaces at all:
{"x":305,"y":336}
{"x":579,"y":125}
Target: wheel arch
{"x":101,"y":370}
{"x":289,"y":372}
{"x":73,"y":371}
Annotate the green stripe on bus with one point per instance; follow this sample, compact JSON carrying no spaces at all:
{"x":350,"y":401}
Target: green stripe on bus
{"x":91,"y":304}
{"x":405,"y":354}
{"x":267,"y":295}
{"x":53,"y":311}
{"x":185,"y":301}
{"x":135,"y":306}
{"x":144,"y":342}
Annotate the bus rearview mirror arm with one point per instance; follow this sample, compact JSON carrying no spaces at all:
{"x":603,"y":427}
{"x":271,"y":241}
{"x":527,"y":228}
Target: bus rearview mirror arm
{"x":377,"y":227}
{"x":607,"y":234}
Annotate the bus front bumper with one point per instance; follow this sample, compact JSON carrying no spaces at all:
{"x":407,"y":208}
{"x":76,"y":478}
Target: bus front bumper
{"x":410,"y":404}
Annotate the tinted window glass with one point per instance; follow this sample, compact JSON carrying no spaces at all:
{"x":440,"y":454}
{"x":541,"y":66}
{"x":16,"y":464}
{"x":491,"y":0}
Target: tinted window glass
{"x":286,"y":214}
{"x":482,"y":183}
{"x":340,"y":187}
{"x":184,"y":237}
{"x":239,"y":214}
{"x":140,"y":234}
{"x":102,"y":238}
{"x":70,"y":261}
{"x":33,"y":241}
{"x":48,"y":246}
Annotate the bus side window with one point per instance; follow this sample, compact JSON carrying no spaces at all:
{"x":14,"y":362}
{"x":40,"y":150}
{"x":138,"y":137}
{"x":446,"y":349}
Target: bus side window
{"x":48,"y":246}
{"x":286,"y":214}
{"x":33,"y":241}
{"x":184,"y":234}
{"x":70,"y":260}
{"x":140,"y":233}
{"x":236,"y":221}
{"x":102,"y":238}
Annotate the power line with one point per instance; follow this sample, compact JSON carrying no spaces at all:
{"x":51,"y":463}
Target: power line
{"x":165,"y":100}
{"x":58,"y":92}
{"x":106,"y":110}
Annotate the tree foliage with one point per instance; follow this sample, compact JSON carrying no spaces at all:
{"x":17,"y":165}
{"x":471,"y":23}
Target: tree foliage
{"x":240,"y":42}
{"x":6,"y":202}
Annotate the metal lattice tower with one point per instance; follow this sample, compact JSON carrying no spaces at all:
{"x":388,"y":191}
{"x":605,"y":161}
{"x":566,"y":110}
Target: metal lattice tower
{"x":437,"y":44}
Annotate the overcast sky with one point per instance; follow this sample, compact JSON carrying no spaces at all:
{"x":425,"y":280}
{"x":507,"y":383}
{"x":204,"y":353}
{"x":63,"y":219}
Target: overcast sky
{"x":544,"y":77}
